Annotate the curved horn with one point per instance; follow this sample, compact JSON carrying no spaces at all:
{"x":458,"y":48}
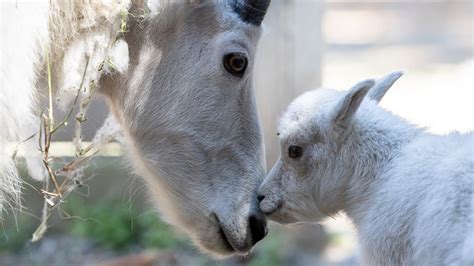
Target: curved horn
{"x":251,"y":11}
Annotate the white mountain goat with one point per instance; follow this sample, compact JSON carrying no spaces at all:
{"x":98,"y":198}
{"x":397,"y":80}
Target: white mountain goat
{"x":178,"y":80}
{"x":409,"y":193}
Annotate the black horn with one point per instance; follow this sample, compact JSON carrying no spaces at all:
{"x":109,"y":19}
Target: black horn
{"x":251,"y":11}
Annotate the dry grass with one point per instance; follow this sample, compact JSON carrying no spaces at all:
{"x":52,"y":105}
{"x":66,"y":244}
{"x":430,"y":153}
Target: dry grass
{"x":71,"y":22}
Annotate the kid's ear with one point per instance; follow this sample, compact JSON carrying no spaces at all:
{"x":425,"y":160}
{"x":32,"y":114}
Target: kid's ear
{"x":383,"y":85}
{"x":347,"y":107}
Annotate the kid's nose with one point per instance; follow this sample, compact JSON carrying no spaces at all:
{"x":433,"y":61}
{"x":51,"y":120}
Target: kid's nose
{"x":268,"y":204}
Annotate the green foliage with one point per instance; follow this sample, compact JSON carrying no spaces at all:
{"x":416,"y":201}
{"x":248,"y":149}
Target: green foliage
{"x":107,"y":224}
{"x":114,"y":225}
{"x":14,"y":234}
{"x":156,"y":234}
{"x":269,"y":251}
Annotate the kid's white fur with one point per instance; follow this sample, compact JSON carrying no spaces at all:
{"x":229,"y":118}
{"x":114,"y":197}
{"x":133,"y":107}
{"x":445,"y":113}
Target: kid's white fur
{"x":408,"y":192}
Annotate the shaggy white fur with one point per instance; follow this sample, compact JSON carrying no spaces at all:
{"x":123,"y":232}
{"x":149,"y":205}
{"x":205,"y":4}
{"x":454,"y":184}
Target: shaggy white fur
{"x":93,"y":50}
{"x":17,"y":95}
{"x":67,"y":33}
{"x":409,"y":193}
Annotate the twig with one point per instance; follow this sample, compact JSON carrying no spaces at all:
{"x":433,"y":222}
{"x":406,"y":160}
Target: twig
{"x":17,"y":147}
{"x":48,"y":193}
{"x":66,"y":118}
{"x":72,"y":171}
{"x":47,"y":143}
{"x":39,"y":232}
{"x":50,"y":92}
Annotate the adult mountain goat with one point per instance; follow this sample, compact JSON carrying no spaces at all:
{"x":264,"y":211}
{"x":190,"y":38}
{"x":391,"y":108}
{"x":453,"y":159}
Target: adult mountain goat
{"x":410,"y":194}
{"x":178,"y":81}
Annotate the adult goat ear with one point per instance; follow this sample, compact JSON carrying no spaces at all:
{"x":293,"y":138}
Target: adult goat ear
{"x":383,"y":85}
{"x":346,"y":108}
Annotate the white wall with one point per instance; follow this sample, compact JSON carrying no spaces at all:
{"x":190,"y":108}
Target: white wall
{"x":288,"y":62}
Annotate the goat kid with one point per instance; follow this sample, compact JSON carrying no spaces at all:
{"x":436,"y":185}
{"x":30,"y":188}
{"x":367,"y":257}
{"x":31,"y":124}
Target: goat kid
{"x":409,"y":193}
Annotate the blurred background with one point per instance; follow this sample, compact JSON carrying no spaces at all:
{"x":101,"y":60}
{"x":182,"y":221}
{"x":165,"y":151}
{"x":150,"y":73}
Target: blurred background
{"x":306,"y":44}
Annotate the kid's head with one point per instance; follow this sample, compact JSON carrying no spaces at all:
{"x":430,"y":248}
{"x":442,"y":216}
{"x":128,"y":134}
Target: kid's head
{"x":309,"y":180}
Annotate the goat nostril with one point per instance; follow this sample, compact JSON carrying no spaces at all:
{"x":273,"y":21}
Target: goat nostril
{"x":260,"y":198}
{"x":258,"y":228}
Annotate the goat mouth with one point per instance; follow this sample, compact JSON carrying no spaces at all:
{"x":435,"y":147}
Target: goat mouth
{"x":227,"y":242}
{"x":224,"y":238}
{"x":274,"y":210}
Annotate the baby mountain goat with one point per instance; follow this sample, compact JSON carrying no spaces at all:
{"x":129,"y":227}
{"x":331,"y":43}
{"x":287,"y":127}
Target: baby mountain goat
{"x":409,"y":193}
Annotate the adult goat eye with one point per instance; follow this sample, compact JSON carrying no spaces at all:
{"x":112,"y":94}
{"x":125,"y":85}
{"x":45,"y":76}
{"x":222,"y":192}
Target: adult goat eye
{"x":235,"y":64}
{"x":295,"y":151}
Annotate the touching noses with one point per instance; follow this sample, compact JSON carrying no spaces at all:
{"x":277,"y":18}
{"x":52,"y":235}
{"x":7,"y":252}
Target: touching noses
{"x":268,"y":202}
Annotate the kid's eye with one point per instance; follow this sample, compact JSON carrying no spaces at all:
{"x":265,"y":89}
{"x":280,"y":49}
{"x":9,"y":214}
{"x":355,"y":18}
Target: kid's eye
{"x":295,"y":151}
